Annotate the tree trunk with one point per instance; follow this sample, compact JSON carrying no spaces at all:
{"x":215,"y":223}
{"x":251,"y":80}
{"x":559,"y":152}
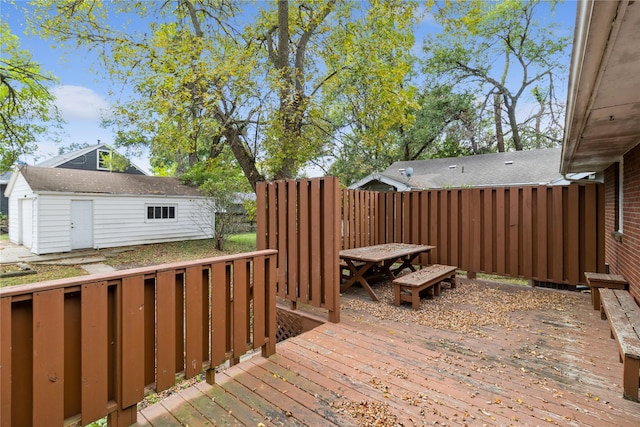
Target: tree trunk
{"x":538,"y":134}
{"x":497,"y":116}
{"x":293,"y":100}
{"x":515,"y":133}
{"x":244,"y":157}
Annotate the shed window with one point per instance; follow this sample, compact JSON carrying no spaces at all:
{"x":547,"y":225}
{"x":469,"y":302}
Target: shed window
{"x":161,"y":212}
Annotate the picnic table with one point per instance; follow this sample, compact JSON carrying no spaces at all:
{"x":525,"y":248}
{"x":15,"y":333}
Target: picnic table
{"x":361,"y":261}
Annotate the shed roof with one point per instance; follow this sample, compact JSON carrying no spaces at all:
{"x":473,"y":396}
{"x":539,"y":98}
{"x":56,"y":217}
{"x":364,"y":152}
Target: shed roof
{"x":81,"y":181}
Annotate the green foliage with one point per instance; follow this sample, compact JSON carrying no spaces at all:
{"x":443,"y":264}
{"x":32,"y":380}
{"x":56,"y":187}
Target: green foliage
{"x":205,"y":77}
{"x":374,"y":94}
{"x":27,"y":107}
{"x":499,"y":48}
{"x":443,"y":127}
{"x":442,"y":117}
{"x":114,"y":161}
{"x":266,"y":88}
{"x":223,"y":182}
{"x":249,"y":206}
{"x":102,"y":422}
{"x":74,"y":146}
{"x":354,"y":160}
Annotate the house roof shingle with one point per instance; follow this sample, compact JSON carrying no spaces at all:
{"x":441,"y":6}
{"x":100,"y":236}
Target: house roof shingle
{"x":530,"y":167}
{"x":81,"y":181}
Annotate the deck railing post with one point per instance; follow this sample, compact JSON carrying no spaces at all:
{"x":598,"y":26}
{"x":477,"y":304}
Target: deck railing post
{"x":269,"y":347}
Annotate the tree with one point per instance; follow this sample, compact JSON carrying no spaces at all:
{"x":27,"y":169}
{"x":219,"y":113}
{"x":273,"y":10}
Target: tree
{"x":504,"y":50}
{"x":27,"y":107}
{"x":226,"y":189}
{"x":190,"y":73}
{"x":208,"y":75}
{"x":440,"y":110}
{"x":374,"y":95}
{"x":444,"y":125}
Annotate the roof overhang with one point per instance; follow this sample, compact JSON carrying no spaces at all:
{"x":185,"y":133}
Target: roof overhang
{"x":603,"y":102}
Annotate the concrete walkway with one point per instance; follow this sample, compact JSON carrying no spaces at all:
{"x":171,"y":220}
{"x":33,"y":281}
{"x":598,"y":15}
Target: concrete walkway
{"x":90,"y":260}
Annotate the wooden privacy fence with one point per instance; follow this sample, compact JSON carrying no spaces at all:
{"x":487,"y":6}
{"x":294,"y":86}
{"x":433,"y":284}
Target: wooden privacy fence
{"x":77,"y":350}
{"x":301,"y":219}
{"x":544,"y":233}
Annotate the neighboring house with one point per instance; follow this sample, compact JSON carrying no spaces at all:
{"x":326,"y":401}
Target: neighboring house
{"x":4,"y":201}
{"x":100,"y":157}
{"x":532,"y":167}
{"x":602,"y":126}
{"x":58,"y":210}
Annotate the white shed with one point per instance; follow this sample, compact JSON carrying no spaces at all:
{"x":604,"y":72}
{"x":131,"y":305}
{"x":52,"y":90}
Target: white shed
{"x":58,"y":210}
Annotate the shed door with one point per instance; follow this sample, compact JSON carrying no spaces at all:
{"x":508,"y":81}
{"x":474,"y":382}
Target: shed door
{"x":81,"y":224}
{"x":26,"y":222}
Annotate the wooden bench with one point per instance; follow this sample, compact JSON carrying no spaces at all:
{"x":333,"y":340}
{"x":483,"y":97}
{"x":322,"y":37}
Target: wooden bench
{"x":596,"y":281}
{"x":408,"y":287}
{"x":624,"y":320}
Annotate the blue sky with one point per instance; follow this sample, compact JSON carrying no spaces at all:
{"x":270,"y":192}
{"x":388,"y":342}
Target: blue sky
{"x":82,"y":96}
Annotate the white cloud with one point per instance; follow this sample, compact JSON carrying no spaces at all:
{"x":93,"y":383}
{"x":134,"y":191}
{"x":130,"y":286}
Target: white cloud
{"x":80,"y":103}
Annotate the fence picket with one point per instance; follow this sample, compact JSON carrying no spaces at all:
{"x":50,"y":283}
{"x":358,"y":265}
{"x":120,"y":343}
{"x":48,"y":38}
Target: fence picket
{"x":510,"y":231}
{"x":48,"y":357}
{"x":94,"y":342}
{"x":5,"y":361}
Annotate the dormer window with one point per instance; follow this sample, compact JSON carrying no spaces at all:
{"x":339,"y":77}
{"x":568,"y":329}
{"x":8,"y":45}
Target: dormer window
{"x":104,"y":160}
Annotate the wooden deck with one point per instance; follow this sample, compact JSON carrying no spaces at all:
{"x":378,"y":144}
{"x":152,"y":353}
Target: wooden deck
{"x":556,"y":367}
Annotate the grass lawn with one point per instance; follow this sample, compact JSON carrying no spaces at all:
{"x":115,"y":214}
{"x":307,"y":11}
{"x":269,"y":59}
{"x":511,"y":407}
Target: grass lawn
{"x":244,"y":239}
{"x":162,"y":253}
{"x":138,"y":256}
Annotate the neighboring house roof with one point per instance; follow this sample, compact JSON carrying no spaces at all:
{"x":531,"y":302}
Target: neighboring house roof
{"x":80,"y":181}
{"x":67,"y":157}
{"x":4,"y":178}
{"x":377,"y":177}
{"x":532,"y":167}
{"x":602,"y":122}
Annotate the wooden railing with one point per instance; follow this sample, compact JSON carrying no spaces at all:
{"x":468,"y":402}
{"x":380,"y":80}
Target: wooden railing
{"x":79,"y":349}
{"x":544,"y":233}
{"x":301,"y":219}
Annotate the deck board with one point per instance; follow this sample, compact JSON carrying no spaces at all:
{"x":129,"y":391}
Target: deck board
{"x":554,"y":368}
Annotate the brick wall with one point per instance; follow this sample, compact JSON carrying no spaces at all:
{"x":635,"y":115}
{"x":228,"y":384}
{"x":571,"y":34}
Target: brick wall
{"x":623,"y":251}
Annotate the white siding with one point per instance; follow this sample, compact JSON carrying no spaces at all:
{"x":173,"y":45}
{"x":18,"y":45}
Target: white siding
{"x":123,"y":221}
{"x":20,"y":190}
{"x":54,"y":231}
{"x":118,"y":221}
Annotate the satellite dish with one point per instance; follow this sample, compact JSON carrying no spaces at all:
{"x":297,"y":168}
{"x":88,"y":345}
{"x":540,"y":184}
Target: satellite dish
{"x":408,"y":172}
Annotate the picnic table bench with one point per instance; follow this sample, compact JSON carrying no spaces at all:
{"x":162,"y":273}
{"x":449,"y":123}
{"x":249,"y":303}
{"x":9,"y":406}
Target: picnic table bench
{"x":368,"y":262}
{"x":408,"y":287}
{"x":624,"y":320}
